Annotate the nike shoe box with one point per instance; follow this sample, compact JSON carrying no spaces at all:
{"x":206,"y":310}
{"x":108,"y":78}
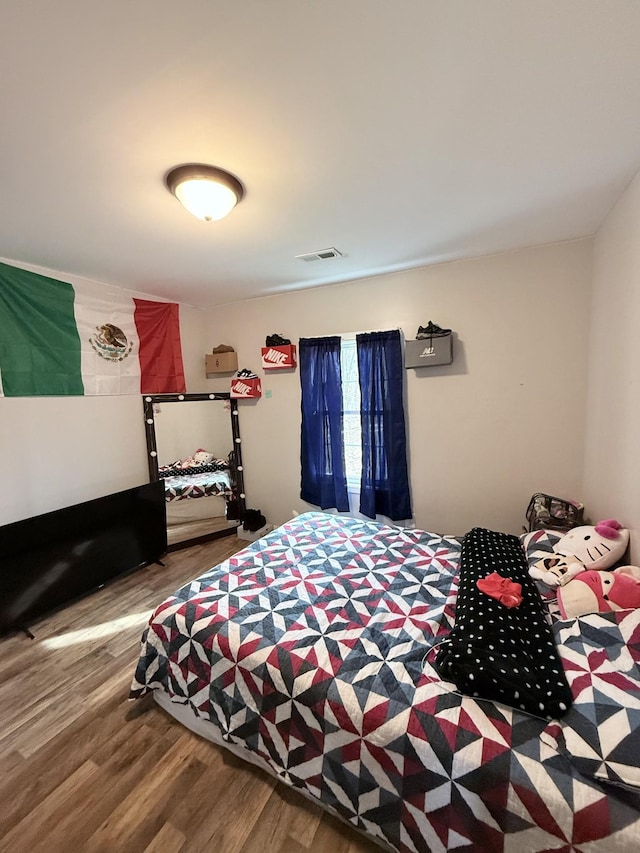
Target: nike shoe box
{"x":428,"y":352}
{"x":243,"y":388}
{"x":279,"y":358}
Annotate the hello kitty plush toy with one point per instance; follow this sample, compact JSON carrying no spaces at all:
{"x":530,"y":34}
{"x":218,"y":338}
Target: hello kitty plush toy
{"x":202,"y":457}
{"x":583,"y":548}
{"x":598,"y":547}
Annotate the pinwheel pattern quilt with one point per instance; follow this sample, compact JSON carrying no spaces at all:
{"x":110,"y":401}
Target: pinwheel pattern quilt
{"x":197,"y":485}
{"x":311,"y":648}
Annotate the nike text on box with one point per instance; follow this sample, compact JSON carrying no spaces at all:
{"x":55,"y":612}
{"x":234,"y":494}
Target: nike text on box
{"x":278,"y":358}
{"x":246,"y":389}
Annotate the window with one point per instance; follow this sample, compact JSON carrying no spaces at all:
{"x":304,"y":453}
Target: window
{"x":352,"y":428}
{"x":353,"y":431}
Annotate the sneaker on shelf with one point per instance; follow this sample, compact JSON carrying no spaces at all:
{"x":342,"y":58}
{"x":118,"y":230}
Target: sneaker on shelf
{"x":246,"y":374}
{"x":277,"y":341}
{"x":431,"y":330}
{"x":222,"y":348}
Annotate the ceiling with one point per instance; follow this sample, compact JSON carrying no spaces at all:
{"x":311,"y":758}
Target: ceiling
{"x":402,"y":133}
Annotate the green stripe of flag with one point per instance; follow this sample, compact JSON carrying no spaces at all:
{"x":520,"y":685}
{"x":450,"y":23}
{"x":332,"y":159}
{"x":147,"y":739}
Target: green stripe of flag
{"x":39,"y":341}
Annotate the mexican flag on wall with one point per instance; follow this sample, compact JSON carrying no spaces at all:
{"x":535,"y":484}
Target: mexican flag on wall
{"x":63,"y":339}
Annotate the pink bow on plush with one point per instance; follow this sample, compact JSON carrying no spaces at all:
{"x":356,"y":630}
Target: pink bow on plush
{"x":505,"y":590}
{"x":608,"y":528}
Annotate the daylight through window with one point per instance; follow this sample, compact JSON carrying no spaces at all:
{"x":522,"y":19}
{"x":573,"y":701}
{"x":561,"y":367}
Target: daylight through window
{"x":351,"y":410}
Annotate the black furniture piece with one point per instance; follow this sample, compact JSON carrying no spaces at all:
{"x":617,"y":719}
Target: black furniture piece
{"x":217,"y":417}
{"x":49,"y":560}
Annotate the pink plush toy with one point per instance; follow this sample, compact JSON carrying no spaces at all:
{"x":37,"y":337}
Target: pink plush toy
{"x":598,"y":592}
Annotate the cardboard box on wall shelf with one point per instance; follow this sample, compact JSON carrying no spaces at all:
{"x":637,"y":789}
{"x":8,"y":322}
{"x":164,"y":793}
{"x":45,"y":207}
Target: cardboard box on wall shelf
{"x":223,"y":362}
{"x":246,"y":389}
{"x":279,"y":358}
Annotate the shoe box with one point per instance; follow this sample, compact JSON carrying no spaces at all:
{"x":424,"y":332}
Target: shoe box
{"x":221,"y":362}
{"x":279,"y":357}
{"x":252,"y":535}
{"x":246,"y":388}
{"x":428,"y":352}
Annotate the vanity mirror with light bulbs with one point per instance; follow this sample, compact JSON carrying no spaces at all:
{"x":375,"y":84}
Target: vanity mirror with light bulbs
{"x":194,"y":446}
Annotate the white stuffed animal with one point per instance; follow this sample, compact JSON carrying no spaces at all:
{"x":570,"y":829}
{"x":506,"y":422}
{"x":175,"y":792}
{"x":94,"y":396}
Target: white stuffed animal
{"x":588,"y":547}
{"x":556,"y":569}
{"x":598,"y":547}
{"x":202,"y":457}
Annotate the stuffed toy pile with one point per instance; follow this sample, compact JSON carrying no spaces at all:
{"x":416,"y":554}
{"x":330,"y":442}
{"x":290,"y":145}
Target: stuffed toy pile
{"x":579,"y":568}
{"x":202,"y":457}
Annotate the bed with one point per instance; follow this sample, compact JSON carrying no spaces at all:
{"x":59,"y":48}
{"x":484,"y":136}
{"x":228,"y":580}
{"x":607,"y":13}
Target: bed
{"x":311,"y":653}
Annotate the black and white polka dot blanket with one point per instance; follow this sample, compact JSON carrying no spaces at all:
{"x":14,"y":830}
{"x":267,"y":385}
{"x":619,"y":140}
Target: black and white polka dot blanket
{"x":506,"y":654}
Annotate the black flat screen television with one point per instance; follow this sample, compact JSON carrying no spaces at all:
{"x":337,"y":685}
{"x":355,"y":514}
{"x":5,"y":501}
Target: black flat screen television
{"x":51,"y":559}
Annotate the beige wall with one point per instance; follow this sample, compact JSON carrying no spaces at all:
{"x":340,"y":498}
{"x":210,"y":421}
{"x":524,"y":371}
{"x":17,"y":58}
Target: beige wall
{"x":58,"y":451}
{"x":612,"y":446}
{"x":503,"y":421}
{"x":183,"y":428}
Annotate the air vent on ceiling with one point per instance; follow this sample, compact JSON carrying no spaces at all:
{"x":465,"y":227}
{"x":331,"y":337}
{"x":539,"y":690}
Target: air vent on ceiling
{"x":322,"y":255}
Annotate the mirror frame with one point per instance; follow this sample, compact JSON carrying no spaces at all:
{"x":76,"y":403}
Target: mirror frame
{"x":237,"y":467}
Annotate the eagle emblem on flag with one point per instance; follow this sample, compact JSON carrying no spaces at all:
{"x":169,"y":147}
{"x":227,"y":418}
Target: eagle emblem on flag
{"x":111,"y":343}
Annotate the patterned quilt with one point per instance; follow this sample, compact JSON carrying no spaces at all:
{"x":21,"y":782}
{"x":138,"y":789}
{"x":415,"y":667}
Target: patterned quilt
{"x":308,"y":648}
{"x":197,"y":485}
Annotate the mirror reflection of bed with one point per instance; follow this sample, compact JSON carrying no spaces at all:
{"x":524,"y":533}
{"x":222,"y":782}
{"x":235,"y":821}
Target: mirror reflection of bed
{"x":194,"y":438}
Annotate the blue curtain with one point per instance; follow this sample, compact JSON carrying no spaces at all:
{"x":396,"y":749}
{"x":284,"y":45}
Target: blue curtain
{"x":385,"y":482}
{"x":324,"y":483}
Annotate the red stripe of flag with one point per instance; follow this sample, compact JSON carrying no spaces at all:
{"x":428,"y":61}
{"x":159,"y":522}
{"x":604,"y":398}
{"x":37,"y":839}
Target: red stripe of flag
{"x":161,"y":368}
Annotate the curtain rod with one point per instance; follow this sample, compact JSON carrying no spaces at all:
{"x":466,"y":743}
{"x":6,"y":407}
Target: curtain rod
{"x":353,"y":334}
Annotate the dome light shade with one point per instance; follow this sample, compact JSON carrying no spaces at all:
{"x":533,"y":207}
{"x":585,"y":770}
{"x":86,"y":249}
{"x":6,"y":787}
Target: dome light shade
{"x":206,"y":191}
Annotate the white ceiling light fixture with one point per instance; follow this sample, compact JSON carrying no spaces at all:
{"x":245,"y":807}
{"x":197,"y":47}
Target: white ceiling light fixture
{"x":206,"y":191}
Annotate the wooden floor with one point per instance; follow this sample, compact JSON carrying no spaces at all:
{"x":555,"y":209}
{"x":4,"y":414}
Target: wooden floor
{"x":84,"y":769}
{"x":192,"y":529}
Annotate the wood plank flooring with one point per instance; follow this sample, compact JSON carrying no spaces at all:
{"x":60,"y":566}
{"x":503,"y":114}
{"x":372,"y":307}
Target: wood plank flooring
{"x":192,"y":529}
{"x":84,"y":769}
